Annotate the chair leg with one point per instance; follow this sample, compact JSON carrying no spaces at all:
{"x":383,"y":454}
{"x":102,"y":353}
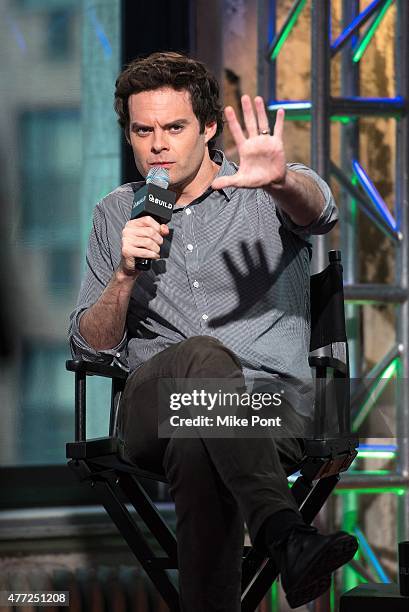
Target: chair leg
{"x":318,"y":497}
{"x":149,"y":513}
{"x":137,"y":543}
{"x":259,"y":574}
{"x":252,"y":562}
{"x":301,"y":489}
{"x":259,"y":585}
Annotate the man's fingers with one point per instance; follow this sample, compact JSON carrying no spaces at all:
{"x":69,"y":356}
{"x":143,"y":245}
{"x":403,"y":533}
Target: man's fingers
{"x":249,"y":116}
{"x":141,"y":253}
{"x":147,"y":220}
{"x":131,"y":252}
{"x":234,"y":125}
{"x":136,"y":229}
{"x":279,"y":124}
{"x":262,"y":118}
{"x":146,"y":232}
{"x":140,"y":246}
{"x":143,"y":242}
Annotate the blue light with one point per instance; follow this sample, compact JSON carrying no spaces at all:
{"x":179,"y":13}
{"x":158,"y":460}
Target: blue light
{"x":370,"y":556}
{"x":373,"y":194}
{"x":99,"y":30}
{"x":17,"y":33}
{"x":289,"y":105}
{"x":378,"y":447}
{"x":355,"y":24}
{"x":397,"y":101}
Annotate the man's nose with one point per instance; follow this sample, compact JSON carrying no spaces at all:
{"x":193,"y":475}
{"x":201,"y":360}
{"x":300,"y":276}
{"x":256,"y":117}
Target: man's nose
{"x":159,"y":142}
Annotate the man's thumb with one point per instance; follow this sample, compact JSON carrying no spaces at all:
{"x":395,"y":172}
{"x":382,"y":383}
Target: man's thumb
{"x":222,"y":182}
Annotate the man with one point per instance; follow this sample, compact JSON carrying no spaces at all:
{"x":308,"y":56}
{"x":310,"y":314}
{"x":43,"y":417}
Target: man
{"x":229,"y":301}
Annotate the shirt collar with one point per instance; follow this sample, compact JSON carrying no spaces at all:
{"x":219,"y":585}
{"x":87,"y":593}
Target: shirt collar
{"x":227,"y":168}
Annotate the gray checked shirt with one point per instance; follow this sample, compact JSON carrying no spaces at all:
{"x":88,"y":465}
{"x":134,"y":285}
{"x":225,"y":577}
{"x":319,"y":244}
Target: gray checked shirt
{"x":234,"y":267}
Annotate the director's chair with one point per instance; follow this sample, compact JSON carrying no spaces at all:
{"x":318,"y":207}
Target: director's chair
{"x":100,"y":463}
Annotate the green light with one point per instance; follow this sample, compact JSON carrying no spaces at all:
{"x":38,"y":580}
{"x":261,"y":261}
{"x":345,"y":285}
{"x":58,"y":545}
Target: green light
{"x":378,"y":387}
{"x":293,"y":115}
{"x":297,"y":117}
{"x":371,"y":491}
{"x":371,"y":31}
{"x":358,"y":574}
{"x":391,"y":369}
{"x":341,"y":119}
{"x":359,"y":302}
{"x":374,"y":472}
{"x":354,"y":210}
{"x":301,"y":111}
{"x":286,"y":31}
{"x":274,"y":597}
{"x":332,"y":595}
{"x":350,"y":508}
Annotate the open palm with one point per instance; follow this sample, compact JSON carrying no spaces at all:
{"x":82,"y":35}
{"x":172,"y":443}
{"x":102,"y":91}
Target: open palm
{"x":261,"y":155}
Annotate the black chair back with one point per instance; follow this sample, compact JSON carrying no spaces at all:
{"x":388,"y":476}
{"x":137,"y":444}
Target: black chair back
{"x":329,"y":350}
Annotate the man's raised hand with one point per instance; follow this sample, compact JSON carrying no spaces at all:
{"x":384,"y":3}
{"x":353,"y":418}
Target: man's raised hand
{"x":261,"y":154}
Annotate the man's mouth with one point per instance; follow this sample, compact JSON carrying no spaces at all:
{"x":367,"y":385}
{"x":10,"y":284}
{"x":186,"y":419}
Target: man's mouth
{"x":162,"y":163}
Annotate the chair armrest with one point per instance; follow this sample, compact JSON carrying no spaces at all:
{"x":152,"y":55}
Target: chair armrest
{"x":328,"y":362}
{"x":92,"y":368}
{"x":82,"y":369}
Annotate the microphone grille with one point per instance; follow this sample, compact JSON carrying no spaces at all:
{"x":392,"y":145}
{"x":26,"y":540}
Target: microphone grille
{"x":158,"y":176}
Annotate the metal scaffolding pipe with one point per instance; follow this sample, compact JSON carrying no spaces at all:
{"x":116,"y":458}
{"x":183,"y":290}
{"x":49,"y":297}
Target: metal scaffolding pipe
{"x":321,"y":109}
{"x":354,"y":26}
{"x":320,"y":94}
{"x":364,"y":203}
{"x":386,"y":107}
{"x":402,"y":269}
{"x":372,"y":293}
{"x":358,"y":481}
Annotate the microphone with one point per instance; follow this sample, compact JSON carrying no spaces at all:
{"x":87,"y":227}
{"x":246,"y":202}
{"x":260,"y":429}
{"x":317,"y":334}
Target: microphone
{"x":155,"y":200}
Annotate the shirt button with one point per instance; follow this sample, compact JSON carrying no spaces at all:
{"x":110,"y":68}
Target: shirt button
{"x":190,"y":247}
{"x":195,"y":284}
{"x":117,"y":354}
{"x":205,"y":317}
{"x":188,"y":211}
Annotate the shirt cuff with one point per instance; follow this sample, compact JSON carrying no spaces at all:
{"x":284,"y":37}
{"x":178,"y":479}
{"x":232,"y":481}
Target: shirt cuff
{"x":80,"y":349}
{"x":329,"y":215}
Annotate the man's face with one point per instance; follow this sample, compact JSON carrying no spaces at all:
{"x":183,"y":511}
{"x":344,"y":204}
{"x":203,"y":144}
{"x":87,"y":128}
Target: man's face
{"x":165,"y":132}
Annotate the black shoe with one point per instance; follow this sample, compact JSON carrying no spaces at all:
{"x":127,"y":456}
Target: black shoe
{"x":307,"y":559}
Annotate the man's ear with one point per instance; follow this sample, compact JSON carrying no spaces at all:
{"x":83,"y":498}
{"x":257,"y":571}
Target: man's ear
{"x":210,"y":130}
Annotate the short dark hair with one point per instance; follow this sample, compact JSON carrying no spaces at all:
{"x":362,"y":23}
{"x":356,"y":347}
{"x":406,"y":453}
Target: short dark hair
{"x":170,"y":69}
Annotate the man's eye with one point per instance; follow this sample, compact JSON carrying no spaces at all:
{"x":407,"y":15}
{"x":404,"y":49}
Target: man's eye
{"x":141,"y":131}
{"x":176,"y":128}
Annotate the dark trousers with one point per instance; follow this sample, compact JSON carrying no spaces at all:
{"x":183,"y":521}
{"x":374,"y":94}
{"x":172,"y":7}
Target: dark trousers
{"x":217,"y":484}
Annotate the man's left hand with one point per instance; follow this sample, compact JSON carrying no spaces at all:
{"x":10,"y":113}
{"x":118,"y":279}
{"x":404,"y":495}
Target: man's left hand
{"x":262,"y":158}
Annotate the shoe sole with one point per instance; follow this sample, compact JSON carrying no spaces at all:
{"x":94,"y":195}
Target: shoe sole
{"x":309,"y":592}
{"x":317,"y":581}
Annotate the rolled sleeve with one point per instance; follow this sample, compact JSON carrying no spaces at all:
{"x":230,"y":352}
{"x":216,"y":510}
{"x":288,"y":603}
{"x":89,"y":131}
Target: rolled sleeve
{"x":80,"y":349}
{"x":98,"y":273}
{"x":329,"y":214}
